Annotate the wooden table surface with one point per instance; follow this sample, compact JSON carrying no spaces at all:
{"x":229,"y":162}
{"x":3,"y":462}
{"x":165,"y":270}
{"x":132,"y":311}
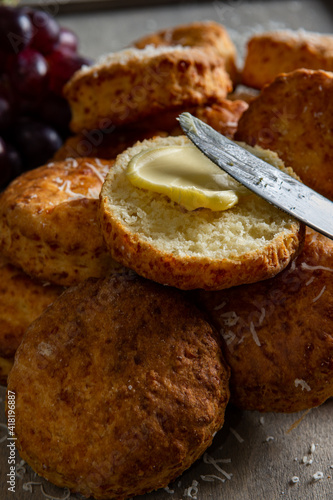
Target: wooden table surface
{"x":258,"y":452}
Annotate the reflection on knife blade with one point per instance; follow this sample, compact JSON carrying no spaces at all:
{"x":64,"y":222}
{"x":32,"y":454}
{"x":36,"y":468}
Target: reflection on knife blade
{"x":270,"y":183}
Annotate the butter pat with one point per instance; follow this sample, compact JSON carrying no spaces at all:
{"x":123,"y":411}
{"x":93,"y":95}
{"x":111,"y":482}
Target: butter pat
{"x":186,"y":176}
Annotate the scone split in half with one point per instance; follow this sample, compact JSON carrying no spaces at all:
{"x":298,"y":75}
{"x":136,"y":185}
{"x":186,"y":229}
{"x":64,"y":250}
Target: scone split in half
{"x":162,"y":241}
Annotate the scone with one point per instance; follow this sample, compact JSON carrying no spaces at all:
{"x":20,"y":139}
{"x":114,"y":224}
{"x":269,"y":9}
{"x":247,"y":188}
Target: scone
{"x":123,"y":393}
{"x":277,"y":334}
{"x":208,"y":35}
{"x":22,"y":300}
{"x":162,"y":241}
{"x":107,"y":144}
{"x":133,"y":84}
{"x":49,"y":223}
{"x":294,"y":117}
{"x":275,"y":52}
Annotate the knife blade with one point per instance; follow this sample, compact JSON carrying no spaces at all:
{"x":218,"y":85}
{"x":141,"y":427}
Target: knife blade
{"x":272,"y":184}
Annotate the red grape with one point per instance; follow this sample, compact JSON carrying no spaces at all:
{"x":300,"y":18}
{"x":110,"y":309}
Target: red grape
{"x":36,"y":141}
{"x":45,"y":31}
{"x":63,"y":63}
{"x":68,"y":40}
{"x":29,"y":73}
{"x":3,"y":60}
{"x":37,"y":58}
{"x":10,"y":163}
{"x":55,"y":111}
{"x":6,"y":113}
{"x":15,"y":30}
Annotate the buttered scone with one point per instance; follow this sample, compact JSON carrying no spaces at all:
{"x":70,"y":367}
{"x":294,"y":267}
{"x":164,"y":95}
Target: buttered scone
{"x":132,"y":85}
{"x":202,"y":248}
{"x":133,"y":385}
{"x":208,"y":35}
{"x":294,"y":117}
{"x":277,"y":334}
{"x":275,"y":52}
{"x":222,"y":116}
{"x":49,"y":223}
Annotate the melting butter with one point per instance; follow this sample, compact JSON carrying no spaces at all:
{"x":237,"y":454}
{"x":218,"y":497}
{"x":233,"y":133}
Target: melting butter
{"x":186,"y":176}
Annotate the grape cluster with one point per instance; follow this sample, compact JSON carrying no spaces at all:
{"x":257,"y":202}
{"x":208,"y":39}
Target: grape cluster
{"x":37,"y":57}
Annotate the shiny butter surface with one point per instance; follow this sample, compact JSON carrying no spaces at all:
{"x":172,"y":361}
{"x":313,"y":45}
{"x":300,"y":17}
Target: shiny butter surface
{"x":186,"y":176}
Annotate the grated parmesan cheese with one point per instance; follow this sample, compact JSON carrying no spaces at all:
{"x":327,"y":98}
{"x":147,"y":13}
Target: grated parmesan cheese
{"x":220,"y":306}
{"x":29,"y":487}
{"x":228,"y":336}
{"x":302,"y":383}
{"x":230,"y":318}
{"x":168,"y":490}
{"x":66,"y":188}
{"x":320,"y":294}
{"x":317,"y":476}
{"x":237,"y":436}
{"x":98,"y":174}
{"x":210,"y":460}
{"x":304,"y":265}
{"x":192,"y":491}
{"x":20,"y":470}
{"x":254,"y":334}
{"x":262,"y":316}
{"x":211,"y":478}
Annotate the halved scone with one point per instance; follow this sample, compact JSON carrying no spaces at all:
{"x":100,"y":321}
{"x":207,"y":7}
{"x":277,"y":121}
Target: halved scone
{"x":161,"y":240}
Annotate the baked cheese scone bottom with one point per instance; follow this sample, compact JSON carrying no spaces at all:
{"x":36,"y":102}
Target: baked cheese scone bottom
{"x":49,"y":224}
{"x":277,"y":334}
{"x":164,"y":242}
{"x":120,"y":386}
{"x":293,"y":116}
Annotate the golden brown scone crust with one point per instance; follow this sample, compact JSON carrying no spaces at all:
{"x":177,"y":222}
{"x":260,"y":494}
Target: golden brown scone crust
{"x":122,"y":393}
{"x":49,"y":222}
{"x":278,"y":334}
{"x":222,"y":116}
{"x":22,"y":300}
{"x":272,"y":53}
{"x":294,"y":117}
{"x":162,"y":241}
{"x":208,"y":35}
{"x":143,"y":83}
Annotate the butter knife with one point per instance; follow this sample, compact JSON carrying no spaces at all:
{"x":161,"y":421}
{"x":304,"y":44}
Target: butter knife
{"x":275,"y":186}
